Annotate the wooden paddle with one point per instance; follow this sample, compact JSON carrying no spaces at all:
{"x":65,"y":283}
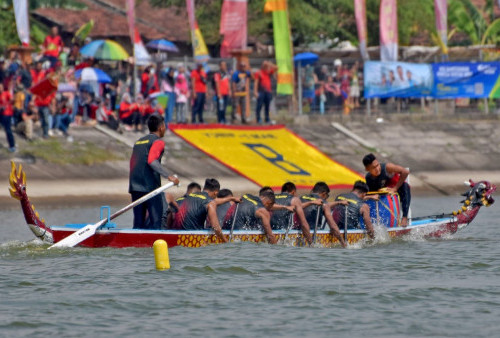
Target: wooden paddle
{"x":234,"y":221}
{"x":316,"y":224}
{"x":345,"y":224}
{"x":89,"y":230}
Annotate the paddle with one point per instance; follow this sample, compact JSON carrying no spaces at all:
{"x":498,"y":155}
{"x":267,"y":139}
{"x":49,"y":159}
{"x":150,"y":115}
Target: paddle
{"x":234,"y":221}
{"x":290,"y":224}
{"x":316,"y":224}
{"x":345,"y":224}
{"x":89,"y":230}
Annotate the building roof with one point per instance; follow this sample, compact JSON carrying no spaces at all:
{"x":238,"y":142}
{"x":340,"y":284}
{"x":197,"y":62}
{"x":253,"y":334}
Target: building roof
{"x":110,"y":20}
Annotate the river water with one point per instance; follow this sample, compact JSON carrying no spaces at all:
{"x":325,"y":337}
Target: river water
{"x":392,"y":288}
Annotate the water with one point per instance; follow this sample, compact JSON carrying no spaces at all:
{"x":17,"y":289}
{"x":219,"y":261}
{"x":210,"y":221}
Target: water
{"x":404,"y":287}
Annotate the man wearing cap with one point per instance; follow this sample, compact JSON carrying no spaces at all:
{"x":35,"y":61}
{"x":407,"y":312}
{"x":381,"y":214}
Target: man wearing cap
{"x":199,"y":82}
{"x":355,"y":208}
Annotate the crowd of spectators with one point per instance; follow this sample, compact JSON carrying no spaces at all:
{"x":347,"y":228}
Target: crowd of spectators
{"x":177,"y":93}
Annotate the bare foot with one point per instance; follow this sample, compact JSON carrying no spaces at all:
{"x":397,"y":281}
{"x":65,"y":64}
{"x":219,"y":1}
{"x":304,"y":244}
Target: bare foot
{"x":404,"y":222}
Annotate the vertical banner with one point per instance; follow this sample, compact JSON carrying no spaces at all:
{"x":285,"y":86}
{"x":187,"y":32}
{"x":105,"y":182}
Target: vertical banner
{"x":360,"y":14}
{"x":22,"y":21}
{"x":388,"y":30}
{"x":130,"y":6}
{"x":282,"y":44}
{"x":233,"y":26}
{"x":200,"y":51}
{"x":441,"y":10}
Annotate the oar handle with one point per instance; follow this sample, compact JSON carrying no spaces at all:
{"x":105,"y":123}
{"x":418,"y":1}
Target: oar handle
{"x":234,"y":221}
{"x":318,"y":209}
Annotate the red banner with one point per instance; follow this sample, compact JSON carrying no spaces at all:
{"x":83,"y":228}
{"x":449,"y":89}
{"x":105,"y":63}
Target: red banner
{"x":233,"y":26}
{"x":360,"y":14}
{"x":388,"y":30}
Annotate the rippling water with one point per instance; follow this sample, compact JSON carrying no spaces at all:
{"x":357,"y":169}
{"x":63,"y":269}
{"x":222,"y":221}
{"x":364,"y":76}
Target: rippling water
{"x":403,"y":287}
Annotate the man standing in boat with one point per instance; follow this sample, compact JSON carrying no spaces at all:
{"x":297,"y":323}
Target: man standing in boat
{"x":356,"y":207}
{"x":390,"y":176}
{"x":196,"y":208}
{"x":145,"y":172}
{"x":280,"y":218}
{"x":315,"y":203}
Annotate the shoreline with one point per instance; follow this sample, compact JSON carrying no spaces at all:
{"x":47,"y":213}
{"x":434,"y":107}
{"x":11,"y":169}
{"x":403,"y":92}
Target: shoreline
{"x":96,"y":192}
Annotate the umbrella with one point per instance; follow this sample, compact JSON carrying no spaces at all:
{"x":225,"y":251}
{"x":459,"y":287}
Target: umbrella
{"x":92,"y":74}
{"x":304,"y":59}
{"x":66,"y":88}
{"x":163,"y":45}
{"x":104,"y":50}
{"x":300,"y":60}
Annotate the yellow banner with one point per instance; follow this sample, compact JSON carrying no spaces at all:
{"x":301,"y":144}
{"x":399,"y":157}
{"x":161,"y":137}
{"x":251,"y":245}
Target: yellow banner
{"x":268,"y":156}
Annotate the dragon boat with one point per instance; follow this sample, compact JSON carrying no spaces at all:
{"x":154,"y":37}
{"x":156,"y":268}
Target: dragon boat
{"x":383,"y":212}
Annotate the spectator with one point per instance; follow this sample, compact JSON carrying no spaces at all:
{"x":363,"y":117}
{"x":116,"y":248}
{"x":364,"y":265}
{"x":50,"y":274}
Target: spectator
{"x":354,"y":92}
{"x":52,"y":46}
{"x":199,"y":82}
{"x":26,"y":123}
{"x":223,"y":91}
{"x":6,"y":113}
{"x":310,"y":80}
{"x":240,"y":87}
{"x":62,"y":117}
{"x":262,"y":89}
{"x":149,"y":82}
{"x":37,"y":74}
{"x":43,"y":107}
{"x":182,"y":97}
{"x":168,"y":88}
{"x":106,"y":116}
{"x":128,"y":114}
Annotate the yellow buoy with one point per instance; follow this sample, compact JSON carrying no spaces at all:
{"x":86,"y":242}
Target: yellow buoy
{"x":162,"y":261}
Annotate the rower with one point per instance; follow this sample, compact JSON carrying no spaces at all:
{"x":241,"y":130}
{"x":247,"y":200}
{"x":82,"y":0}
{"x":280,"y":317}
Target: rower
{"x":174,"y":203}
{"x":356,"y":207}
{"x":145,"y":173}
{"x":195,"y":208}
{"x":253,"y":213}
{"x":225,"y":211}
{"x":390,"y":176}
{"x":316,"y":202}
{"x":280,"y":218}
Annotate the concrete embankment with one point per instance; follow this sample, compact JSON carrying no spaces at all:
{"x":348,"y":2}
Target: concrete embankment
{"x":440,"y":152}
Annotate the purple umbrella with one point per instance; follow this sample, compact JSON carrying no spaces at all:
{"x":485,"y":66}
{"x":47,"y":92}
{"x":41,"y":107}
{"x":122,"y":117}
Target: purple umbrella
{"x":163,"y":45}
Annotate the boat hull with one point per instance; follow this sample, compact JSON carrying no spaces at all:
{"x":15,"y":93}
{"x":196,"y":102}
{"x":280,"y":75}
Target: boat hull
{"x":124,"y":238}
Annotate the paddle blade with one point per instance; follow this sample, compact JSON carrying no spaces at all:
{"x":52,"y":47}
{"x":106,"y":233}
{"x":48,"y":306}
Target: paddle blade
{"x":78,"y":236}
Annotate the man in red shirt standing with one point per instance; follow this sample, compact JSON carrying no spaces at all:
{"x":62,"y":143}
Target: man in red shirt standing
{"x":199,"y":81}
{"x":223,"y":91}
{"x":262,"y":89}
{"x":6,"y":113}
{"x":52,"y":46}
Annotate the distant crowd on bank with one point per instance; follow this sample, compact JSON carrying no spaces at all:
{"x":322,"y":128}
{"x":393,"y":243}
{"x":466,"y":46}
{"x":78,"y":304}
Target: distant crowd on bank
{"x":30,"y":107}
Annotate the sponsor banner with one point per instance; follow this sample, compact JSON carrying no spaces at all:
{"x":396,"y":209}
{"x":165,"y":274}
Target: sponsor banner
{"x":268,"y":156}
{"x":397,"y":79}
{"x":469,"y":80}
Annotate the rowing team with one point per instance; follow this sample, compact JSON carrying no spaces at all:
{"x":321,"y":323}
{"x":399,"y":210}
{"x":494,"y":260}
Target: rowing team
{"x":218,"y":209}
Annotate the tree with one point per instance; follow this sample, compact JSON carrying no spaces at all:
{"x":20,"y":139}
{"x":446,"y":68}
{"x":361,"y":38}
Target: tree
{"x":478,"y":24}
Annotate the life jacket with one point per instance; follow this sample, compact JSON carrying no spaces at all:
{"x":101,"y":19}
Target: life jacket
{"x":280,"y":218}
{"x":382,"y":180}
{"x":142,"y":177}
{"x":311,"y":212}
{"x":353,"y":211}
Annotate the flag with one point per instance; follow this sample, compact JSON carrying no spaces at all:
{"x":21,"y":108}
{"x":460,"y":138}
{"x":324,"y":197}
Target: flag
{"x":282,"y":44}
{"x":200,"y":50}
{"x":22,"y":21}
{"x":441,"y":10}
{"x":141,"y":55}
{"x":388,"y":30}
{"x":130,"y":4}
{"x":83,"y":31}
{"x":233,"y":26}
{"x":360,"y":14}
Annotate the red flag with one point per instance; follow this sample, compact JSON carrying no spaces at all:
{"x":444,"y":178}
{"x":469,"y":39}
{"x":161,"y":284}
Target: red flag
{"x":233,"y":26}
{"x":388,"y":30}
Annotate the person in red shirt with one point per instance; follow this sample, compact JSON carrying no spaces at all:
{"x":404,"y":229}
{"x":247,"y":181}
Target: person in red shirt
{"x":128,"y":112}
{"x":223,"y":90}
{"x":43,"y":105}
{"x":37,"y":74}
{"x":6,"y":113}
{"x":262,"y":89}
{"x":149,"y":82}
{"x":199,"y":81}
{"x":52,"y":46}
